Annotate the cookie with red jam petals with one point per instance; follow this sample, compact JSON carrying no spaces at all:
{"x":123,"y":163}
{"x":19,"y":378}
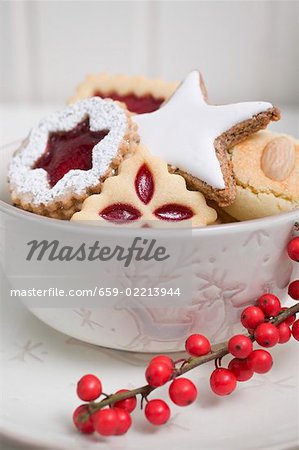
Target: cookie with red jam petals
{"x":193,"y":136}
{"x":140,"y":94}
{"x":144,"y":192}
{"x":68,"y":155}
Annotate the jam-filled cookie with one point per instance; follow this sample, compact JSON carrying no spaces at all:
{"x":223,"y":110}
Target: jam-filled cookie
{"x":145,"y":192}
{"x":68,"y":155}
{"x":266,"y":169}
{"x":140,"y":94}
{"x":193,"y":136}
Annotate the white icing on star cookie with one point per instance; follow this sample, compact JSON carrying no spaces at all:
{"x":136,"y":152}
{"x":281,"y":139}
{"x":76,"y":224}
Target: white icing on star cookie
{"x":184,"y":129}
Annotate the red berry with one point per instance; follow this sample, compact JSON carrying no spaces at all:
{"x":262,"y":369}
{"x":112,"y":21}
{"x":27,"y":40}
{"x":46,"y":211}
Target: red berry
{"x":293,"y":290}
{"x":295,"y":330}
{"x":157,"y":412}
{"x":82,"y":420}
{"x":124,"y":421}
{"x":260,"y":361}
{"x":182,"y":392}
{"x":89,"y":388}
{"x":129,"y":404}
{"x":251,"y":317}
{"x":239,"y":367}
{"x":284,"y":333}
{"x":293,"y":249}
{"x":223,"y":381}
{"x":158,"y":373}
{"x":197,"y":345}
{"x":266,"y":335}
{"x":163,"y":358}
{"x":269,"y":304}
{"x":105,"y":421}
{"x":291,"y":319}
{"x":240,"y":346}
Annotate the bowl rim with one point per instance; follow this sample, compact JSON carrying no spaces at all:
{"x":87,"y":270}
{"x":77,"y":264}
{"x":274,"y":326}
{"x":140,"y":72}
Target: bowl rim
{"x":225,"y":228}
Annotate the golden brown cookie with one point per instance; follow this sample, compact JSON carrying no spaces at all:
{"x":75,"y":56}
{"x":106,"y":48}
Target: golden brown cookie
{"x":266,"y":170}
{"x":68,"y":155}
{"x":140,"y":94}
{"x":144,"y":190}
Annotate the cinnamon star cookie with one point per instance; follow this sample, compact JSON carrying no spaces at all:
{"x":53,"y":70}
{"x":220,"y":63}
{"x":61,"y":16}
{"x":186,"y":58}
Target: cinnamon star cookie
{"x":193,"y":136}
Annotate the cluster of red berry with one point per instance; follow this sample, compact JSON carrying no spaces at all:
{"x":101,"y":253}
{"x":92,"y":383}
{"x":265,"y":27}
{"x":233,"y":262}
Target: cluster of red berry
{"x":182,"y":391}
{"x":116,"y":419}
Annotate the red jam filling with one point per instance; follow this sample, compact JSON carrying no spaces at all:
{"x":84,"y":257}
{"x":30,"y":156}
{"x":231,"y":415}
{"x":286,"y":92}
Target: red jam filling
{"x":174,"y":212}
{"x":144,"y":184}
{"x":68,"y":150}
{"x":145,"y":187}
{"x":120,"y":213}
{"x":138,"y":105}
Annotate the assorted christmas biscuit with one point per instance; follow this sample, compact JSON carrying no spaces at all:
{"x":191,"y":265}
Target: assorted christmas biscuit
{"x":138,"y":151}
{"x":68,"y":155}
{"x":140,"y":94}
{"x":144,"y":191}
{"x":266,"y":170}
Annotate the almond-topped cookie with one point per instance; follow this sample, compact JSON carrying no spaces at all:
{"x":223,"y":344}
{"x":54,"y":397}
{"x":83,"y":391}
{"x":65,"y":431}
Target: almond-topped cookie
{"x":266,"y":170}
{"x":144,"y":191}
{"x":68,"y":155}
{"x":140,"y":94}
{"x":193,"y":136}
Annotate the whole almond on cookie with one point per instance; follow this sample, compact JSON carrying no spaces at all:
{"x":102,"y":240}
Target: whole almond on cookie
{"x":258,"y":195}
{"x":278,"y":158}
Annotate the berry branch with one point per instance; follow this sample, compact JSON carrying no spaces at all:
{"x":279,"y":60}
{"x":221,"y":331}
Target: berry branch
{"x":218,"y":351}
{"x":267,"y":323}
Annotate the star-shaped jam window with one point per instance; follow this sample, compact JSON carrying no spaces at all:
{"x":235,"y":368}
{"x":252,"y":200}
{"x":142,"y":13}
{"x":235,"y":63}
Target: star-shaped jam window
{"x":193,"y":136}
{"x":144,"y":191}
{"x":69,"y":150}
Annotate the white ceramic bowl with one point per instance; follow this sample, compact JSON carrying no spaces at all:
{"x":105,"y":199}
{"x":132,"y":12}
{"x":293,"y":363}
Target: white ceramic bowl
{"x":232,"y":265}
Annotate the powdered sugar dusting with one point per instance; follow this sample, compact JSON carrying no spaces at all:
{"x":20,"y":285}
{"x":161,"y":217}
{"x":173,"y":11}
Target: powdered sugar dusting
{"x":32,"y":186}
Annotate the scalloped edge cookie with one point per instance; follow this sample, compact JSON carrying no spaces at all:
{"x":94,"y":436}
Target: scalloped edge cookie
{"x":123,"y":85}
{"x":30,"y":188}
{"x":168,"y":189}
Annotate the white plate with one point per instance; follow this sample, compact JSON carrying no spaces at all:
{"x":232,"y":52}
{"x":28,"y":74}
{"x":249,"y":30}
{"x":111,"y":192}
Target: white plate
{"x":40,"y":367}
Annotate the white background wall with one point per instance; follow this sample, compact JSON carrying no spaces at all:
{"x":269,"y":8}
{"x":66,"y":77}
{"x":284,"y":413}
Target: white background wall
{"x":246,"y":49}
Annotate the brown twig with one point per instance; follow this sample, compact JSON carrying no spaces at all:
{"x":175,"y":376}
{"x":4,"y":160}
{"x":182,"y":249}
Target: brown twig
{"x":218,"y":351}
